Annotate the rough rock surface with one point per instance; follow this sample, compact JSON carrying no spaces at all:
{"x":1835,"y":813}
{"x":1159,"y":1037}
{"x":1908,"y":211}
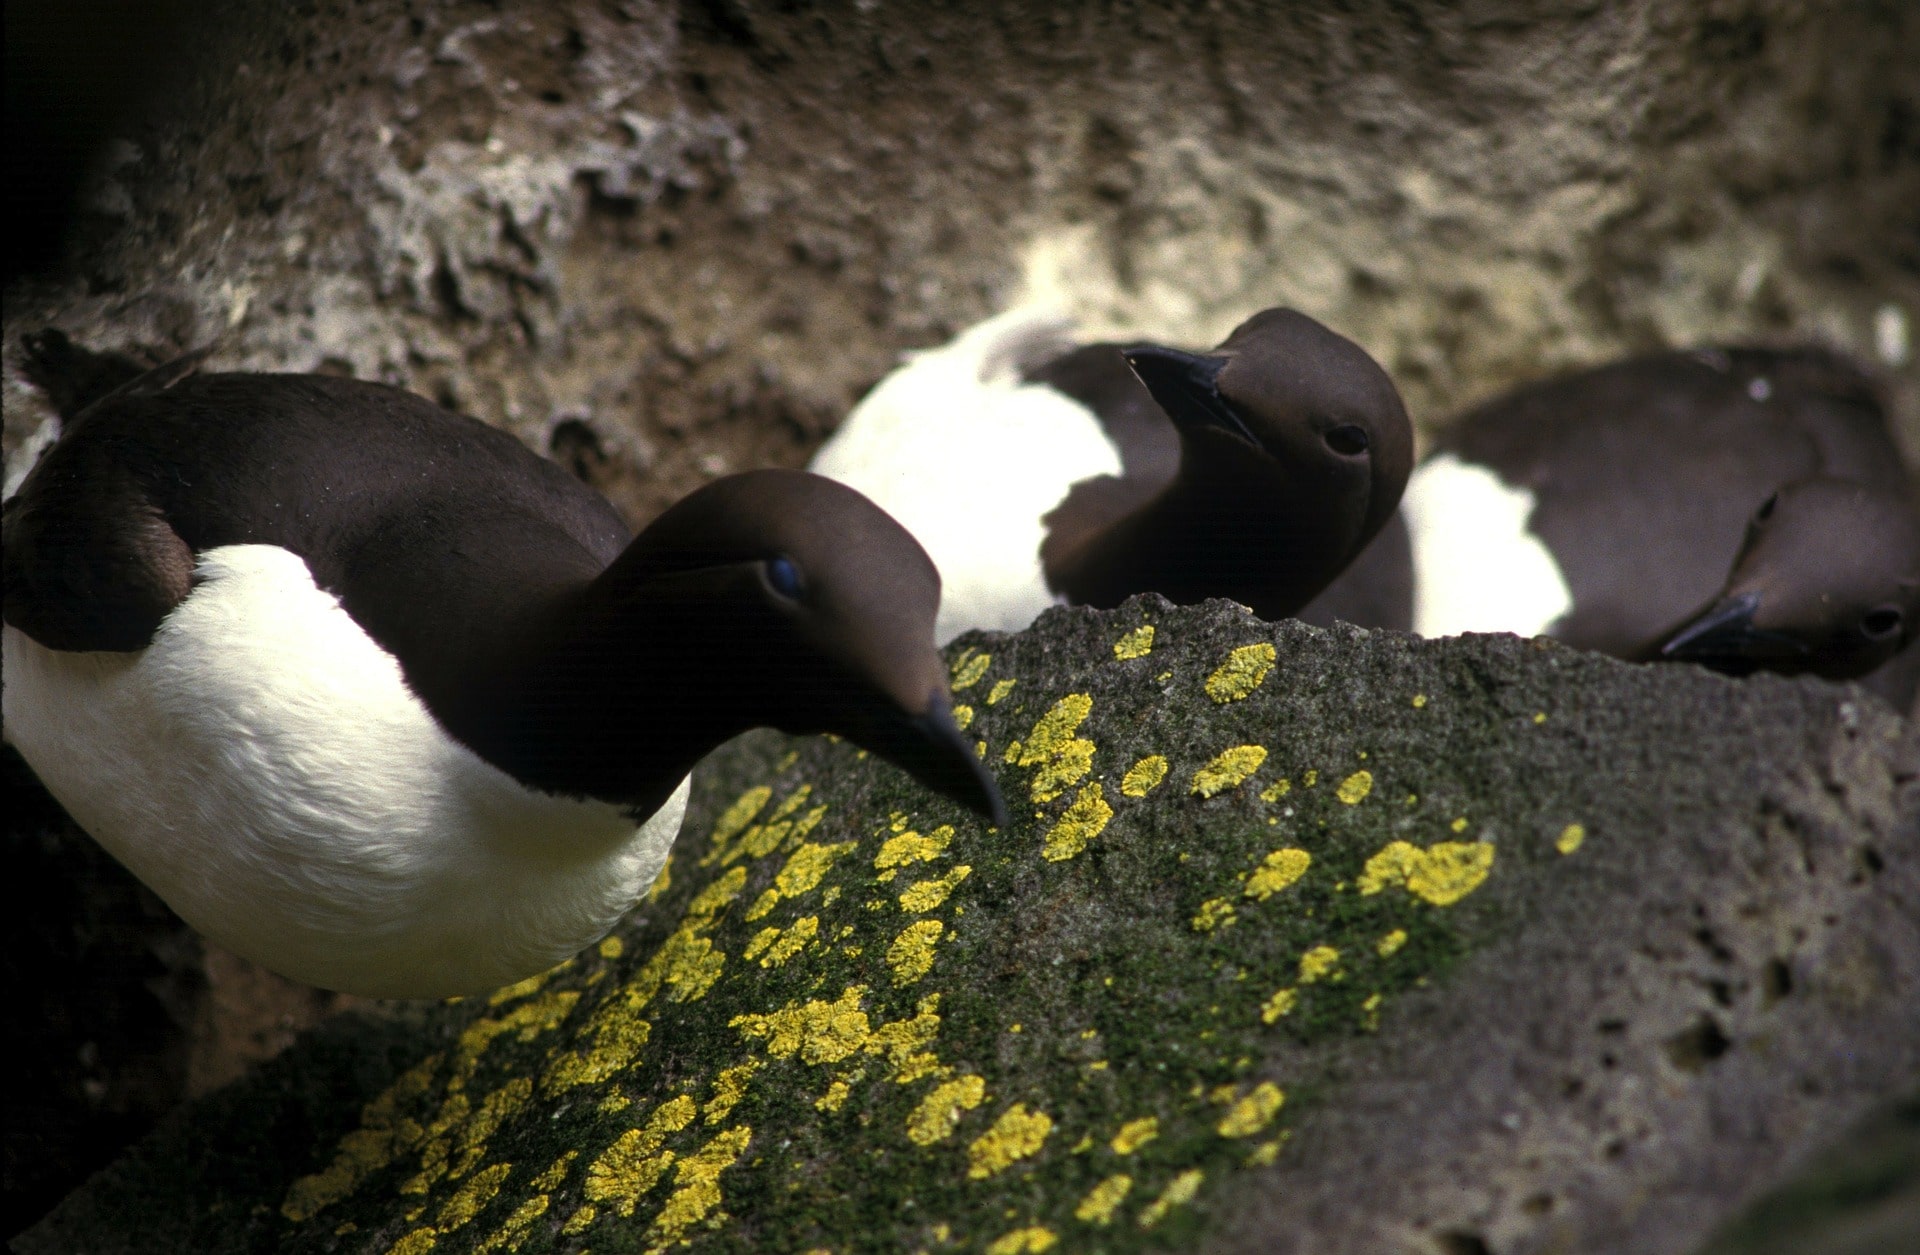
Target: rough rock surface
{"x":1302,"y":940}
{"x":672,"y":238}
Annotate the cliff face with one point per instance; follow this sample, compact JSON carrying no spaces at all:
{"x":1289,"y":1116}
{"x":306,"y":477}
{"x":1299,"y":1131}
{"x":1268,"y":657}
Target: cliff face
{"x":665,"y":239}
{"x":1301,"y":940}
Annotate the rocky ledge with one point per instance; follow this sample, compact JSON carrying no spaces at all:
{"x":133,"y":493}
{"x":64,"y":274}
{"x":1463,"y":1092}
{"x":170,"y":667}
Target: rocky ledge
{"x":1301,"y":940}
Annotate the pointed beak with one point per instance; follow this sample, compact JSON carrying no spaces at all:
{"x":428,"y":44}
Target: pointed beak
{"x":1724,"y":638}
{"x":932,"y":749}
{"x":1187,"y":386}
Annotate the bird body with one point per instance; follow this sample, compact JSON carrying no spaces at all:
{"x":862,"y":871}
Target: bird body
{"x":1085,"y":475}
{"x":371,"y":694}
{"x":970,"y":458}
{"x":1610,"y":507}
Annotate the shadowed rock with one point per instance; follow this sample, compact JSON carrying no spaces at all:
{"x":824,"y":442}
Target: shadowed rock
{"x":1300,"y":940}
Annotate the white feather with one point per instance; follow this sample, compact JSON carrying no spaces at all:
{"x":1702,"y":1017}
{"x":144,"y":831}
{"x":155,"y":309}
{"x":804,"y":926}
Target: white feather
{"x":969,"y":459}
{"x":1477,"y":567}
{"x":264,"y":767}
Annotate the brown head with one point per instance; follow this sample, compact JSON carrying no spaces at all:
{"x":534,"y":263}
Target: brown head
{"x":1309,"y":404}
{"x":1827,"y":582}
{"x":807,"y":608}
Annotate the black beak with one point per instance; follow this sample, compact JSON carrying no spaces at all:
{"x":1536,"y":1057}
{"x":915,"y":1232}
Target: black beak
{"x":932,"y":749}
{"x":1723,"y":637}
{"x":1187,"y":386}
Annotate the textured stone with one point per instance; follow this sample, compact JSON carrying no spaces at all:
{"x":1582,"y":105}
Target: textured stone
{"x":1597,"y":954}
{"x":674,"y":238}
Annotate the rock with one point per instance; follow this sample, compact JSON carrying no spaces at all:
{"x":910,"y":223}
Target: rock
{"x":712,"y":225}
{"x":1302,"y":940}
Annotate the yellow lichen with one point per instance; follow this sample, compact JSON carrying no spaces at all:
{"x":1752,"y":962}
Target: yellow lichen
{"x":1442,"y":874}
{"x":1265,"y":1153}
{"x":521,"y":989}
{"x":999,"y":691}
{"x":905,"y":1042}
{"x":471,"y":1197}
{"x":734,"y":820}
{"x":1028,"y":1241}
{"x":1253,"y":1112}
{"x":613,"y":947}
{"x":968,"y":668}
{"x":1179,"y":1192}
{"x":1244,"y":671}
{"x":1277,"y":790}
{"x":1354,"y":789}
{"x":1319,"y":963}
{"x":1104,"y":1199}
{"x":1459,"y":825}
{"x":911,"y":955}
{"x":963,"y":717}
{"x":803,"y":871}
{"x":1016,"y":1135}
{"x":1280,"y":1004}
{"x":555,"y":1173}
{"x":1134,"y":1134}
{"x":381,"y":1135}
{"x":1084,"y":819}
{"x":835,"y":1097}
{"x":1144,"y":776}
{"x":926,"y":895}
{"x":1228,"y":769}
{"x":1213,"y":913}
{"x":728,"y":1089}
{"x":696,"y":1184}
{"x":1278,"y":870}
{"x":761,"y":940}
{"x":792,"y":941}
{"x":1062,"y":757}
{"x":1391,"y":943}
{"x":513,"y":1233}
{"x":635,"y":1162}
{"x":911,"y":847}
{"x":1370,"y":1011}
{"x":1135,"y":644}
{"x":938,"y":1114}
{"x":1570,"y":838}
{"x":1419,"y":701}
{"x":820,"y":1032}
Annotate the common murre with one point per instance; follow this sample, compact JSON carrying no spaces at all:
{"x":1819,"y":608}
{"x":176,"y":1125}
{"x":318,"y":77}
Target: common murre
{"x":1035,"y":472}
{"x":373,"y":695}
{"x":1612,"y":507}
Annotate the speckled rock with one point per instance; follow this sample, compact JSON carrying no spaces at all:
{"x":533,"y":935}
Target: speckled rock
{"x":1300,"y":940}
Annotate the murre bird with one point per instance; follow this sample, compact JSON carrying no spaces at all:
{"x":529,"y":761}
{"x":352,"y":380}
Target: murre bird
{"x":373,"y":695}
{"x":1037,"y":473}
{"x":1607,"y":507}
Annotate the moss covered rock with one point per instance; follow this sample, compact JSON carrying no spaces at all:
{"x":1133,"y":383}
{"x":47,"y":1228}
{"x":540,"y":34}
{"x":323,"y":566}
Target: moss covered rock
{"x":1299,"y":940}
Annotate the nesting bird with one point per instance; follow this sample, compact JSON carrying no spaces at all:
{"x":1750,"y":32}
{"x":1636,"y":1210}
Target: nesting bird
{"x":1037,"y":473}
{"x":1742,"y":508}
{"x":373,"y":695}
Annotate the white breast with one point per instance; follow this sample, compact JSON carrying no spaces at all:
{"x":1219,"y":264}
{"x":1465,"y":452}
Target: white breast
{"x":265,"y":769}
{"x":1476,"y":566}
{"x":969,"y":459}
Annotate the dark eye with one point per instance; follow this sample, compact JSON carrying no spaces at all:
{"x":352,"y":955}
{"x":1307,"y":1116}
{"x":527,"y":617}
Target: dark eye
{"x":1881,"y":622}
{"x":784,"y":576}
{"x":1765,"y":511}
{"x":1347,"y":440}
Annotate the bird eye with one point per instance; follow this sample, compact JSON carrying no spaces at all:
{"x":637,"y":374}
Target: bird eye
{"x":1765,"y":511}
{"x":1881,"y":622}
{"x":1347,"y":440}
{"x":784,"y":576}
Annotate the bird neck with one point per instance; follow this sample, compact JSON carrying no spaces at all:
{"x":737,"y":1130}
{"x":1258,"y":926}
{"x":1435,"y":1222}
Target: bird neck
{"x":612,"y":690}
{"x":1222,"y":527}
